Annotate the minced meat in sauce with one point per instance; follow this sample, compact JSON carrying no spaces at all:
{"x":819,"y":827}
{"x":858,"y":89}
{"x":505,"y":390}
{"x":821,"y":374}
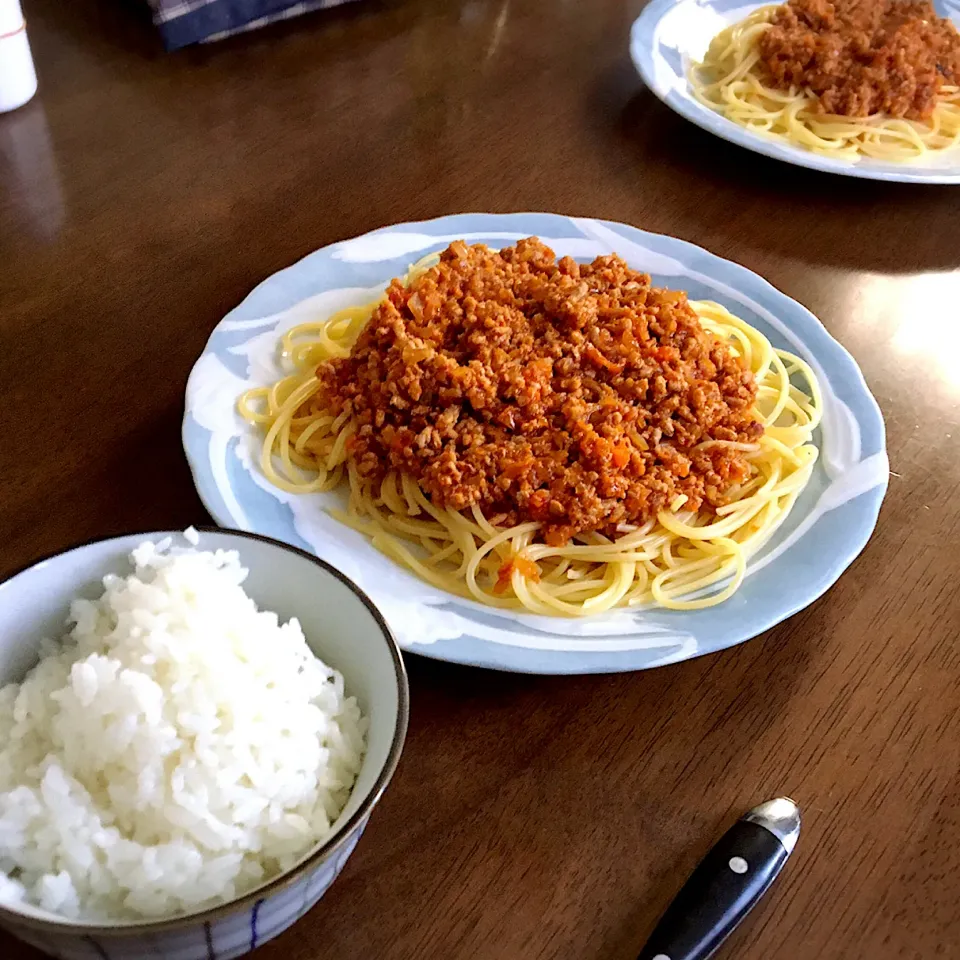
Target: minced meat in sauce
{"x":571,"y":395}
{"x":863,"y":57}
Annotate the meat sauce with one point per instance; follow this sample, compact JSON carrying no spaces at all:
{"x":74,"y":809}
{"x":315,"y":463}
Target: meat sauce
{"x":863,"y":57}
{"x":576,"y":396}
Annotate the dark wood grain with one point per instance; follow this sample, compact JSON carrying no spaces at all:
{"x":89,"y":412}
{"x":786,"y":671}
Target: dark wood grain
{"x":142,"y":195}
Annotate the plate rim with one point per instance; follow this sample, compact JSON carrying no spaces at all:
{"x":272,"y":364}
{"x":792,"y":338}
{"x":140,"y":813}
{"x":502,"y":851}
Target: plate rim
{"x":581,"y":663}
{"x":641,"y":53}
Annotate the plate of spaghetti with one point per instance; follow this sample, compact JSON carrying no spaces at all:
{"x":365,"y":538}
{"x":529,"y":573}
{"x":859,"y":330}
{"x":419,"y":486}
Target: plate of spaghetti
{"x":541,"y":443}
{"x":864,"y":88}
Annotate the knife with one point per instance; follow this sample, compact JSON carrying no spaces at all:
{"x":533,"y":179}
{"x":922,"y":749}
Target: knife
{"x":727,"y":884}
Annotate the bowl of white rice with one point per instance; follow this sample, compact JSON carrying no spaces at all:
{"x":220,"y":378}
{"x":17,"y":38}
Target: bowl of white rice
{"x":194,"y":730}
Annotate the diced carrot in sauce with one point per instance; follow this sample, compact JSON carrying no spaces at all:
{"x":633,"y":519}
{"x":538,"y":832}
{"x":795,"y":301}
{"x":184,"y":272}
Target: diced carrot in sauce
{"x":666,"y":353}
{"x":621,"y":455}
{"x":526,"y":568}
{"x":517,"y":469}
{"x":503,"y":577}
{"x":596,"y":357}
{"x":601,"y":448}
{"x":538,"y":500}
{"x":539,"y":369}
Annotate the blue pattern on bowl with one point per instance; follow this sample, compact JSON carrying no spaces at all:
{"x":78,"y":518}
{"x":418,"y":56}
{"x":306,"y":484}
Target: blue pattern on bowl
{"x":230,"y":936}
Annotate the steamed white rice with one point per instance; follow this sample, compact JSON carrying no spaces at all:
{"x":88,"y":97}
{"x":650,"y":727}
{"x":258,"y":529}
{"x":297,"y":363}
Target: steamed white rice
{"x":174,"y":750}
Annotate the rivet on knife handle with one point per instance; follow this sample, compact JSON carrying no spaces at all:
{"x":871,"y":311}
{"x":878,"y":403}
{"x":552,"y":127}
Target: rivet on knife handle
{"x":726,"y":885}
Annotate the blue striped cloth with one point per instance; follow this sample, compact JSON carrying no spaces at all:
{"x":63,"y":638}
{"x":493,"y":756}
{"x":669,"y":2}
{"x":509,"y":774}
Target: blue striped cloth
{"x":182,"y":22}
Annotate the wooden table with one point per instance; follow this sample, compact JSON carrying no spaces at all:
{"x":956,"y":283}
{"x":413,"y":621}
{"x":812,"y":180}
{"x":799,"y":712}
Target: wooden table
{"x":142,"y":195}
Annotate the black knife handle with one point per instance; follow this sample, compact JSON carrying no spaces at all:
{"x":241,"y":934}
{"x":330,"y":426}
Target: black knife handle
{"x":719,"y":894}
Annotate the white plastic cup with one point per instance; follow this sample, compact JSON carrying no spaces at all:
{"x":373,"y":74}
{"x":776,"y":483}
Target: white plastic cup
{"x":18,"y":79}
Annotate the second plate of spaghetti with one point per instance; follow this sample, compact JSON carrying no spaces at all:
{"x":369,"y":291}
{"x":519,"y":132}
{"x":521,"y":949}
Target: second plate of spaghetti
{"x":863,"y":88}
{"x":540,"y":443}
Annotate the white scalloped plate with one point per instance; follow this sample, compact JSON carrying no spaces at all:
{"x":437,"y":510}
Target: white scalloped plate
{"x":828,"y":527}
{"x":669,"y":34}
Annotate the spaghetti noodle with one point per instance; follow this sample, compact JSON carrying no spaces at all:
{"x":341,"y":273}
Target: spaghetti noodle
{"x":679,"y":557}
{"x":844,"y":79}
